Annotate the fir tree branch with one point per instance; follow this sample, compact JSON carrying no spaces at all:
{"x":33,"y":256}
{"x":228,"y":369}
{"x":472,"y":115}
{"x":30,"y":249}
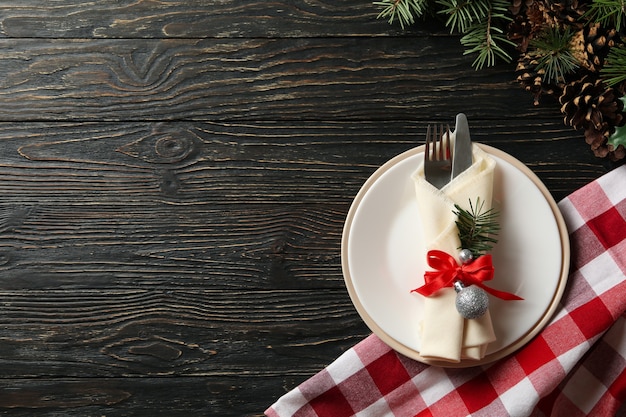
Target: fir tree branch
{"x":614,"y":70}
{"x":404,"y":11}
{"x":463,"y":13}
{"x":607,"y":12}
{"x":552,"y":50}
{"x":486,"y":39}
{"x":477,"y":228}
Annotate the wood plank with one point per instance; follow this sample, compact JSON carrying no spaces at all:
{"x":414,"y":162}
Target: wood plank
{"x":250,"y":79}
{"x":119,"y":246}
{"x":209,"y":205}
{"x":113,"y":333}
{"x":208,"y":164}
{"x":193,"y":19}
{"x":245,"y":395}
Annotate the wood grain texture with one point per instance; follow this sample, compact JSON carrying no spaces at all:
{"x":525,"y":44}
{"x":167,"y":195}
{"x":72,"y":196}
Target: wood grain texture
{"x":184,"y":204}
{"x":111,"y":333}
{"x":250,"y":79}
{"x":191,"y":19}
{"x":157,"y":397}
{"x":202,"y":164}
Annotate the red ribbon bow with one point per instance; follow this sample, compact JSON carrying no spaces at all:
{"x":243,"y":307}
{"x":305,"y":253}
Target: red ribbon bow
{"x":447,"y":271}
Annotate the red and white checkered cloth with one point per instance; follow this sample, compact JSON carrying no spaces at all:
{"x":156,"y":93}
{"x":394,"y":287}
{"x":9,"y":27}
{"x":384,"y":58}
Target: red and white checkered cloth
{"x":575,"y":367}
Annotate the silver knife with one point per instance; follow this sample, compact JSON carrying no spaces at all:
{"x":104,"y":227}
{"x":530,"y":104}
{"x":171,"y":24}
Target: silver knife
{"x":462,"y":153}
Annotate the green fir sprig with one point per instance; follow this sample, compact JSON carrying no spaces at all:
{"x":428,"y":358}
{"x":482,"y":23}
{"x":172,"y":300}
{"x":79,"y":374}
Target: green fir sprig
{"x":614,"y":70}
{"x":486,"y":40}
{"x":404,"y":11}
{"x":481,"y":22}
{"x":477,"y":227}
{"x":463,"y":14}
{"x":553,"y":52}
{"x":607,"y":12}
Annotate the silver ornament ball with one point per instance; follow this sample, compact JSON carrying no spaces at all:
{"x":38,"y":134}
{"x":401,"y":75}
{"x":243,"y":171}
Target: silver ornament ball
{"x":471,"y":302}
{"x":466,"y":256}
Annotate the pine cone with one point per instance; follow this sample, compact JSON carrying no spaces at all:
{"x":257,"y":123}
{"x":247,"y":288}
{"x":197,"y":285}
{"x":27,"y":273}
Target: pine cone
{"x":519,"y":5}
{"x":529,"y":78}
{"x":598,"y":41}
{"x":590,"y":104}
{"x":527,"y":22}
{"x":537,"y":17}
{"x":520,"y":31}
{"x":577,"y":46}
{"x":617,"y":154}
{"x":532,"y":80}
{"x":565,"y":12}
{"x":597,"y":139}
{"x":595,"y":108}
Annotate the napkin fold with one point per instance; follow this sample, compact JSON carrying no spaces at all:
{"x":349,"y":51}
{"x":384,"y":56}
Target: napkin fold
{"x":445,"y":335}
{"x":576,"y":366}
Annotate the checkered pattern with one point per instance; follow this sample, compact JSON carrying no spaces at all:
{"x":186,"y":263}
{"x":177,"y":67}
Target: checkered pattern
{"x":575,"y":367}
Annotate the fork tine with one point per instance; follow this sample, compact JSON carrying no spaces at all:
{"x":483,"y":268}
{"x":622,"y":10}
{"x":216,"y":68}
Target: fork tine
{"x":427,"y":150}
{"x":437,"y":165}
{"x":447,"y":143}
{"x":440,"y":143}
{"x":433,"y":143}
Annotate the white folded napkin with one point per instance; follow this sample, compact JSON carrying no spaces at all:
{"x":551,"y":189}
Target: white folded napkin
{"x":445,"y":335}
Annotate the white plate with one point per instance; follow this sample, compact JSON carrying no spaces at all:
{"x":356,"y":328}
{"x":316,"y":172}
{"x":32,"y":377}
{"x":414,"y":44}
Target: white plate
{"x":382,"y":236}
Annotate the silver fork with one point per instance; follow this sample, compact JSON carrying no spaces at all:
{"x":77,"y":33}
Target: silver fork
{"x":437,"y":156}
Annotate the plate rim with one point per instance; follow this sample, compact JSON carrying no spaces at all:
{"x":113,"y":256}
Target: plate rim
{"x":491,"y":357}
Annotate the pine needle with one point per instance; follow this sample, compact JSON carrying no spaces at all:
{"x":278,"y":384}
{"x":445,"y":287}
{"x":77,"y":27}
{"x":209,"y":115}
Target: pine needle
{"x":552,"y":50}
{"x":487,"y":39}
{"x":614,"y":70}
{"x":477,"y":228}
{"x":481,"y":22}
{"x":462,"y":13}
{"x":404,"y":11}
{"x":607,"y":12}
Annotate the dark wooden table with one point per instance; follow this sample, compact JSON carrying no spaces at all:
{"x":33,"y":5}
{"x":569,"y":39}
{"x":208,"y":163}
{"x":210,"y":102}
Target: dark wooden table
{"x":175,"y":177}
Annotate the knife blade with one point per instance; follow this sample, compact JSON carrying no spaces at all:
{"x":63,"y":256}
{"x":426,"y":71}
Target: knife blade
{"x":462,"y":153}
